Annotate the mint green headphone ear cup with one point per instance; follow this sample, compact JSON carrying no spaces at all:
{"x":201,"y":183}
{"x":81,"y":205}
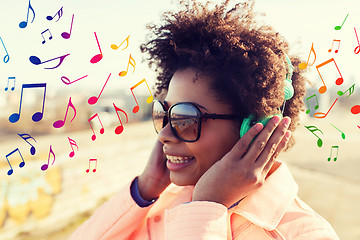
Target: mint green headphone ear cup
{"x":288,"y":89}
{"x":247,"y":123}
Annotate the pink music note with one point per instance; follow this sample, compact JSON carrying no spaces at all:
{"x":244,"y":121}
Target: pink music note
{"x":323,"y":115}
{"x":338,"y":81}
{"x":45,"y":166}
{"x":7,"y":86}
{"x":130,"y":62}
{"x":304,"y":65}
{"x":337,"y":50}
{"x":60,"y":123}
{"x":93,"y":137}
{"x":72,"y":144}
{"x":42,"y":34}
{"x":148,"y":100}
{"x":115,"y":47}
{"x":67,"y":35}
{"x":92,"y":100}
{"x":92,"y":160}
{"x":355,"y":110}
{"x":26,"y":136}
{"x":307,"y":103}
{"x":38,"y":115}
{"x":59,"y":13}
{"x":357,"y":49}
{"x":67,"y":81}
{"x":99,"y":56}
{"x":119,"y":129}
{"x":35,"y":60}
{"x":23,"y":24}
{"x":22,"y":164}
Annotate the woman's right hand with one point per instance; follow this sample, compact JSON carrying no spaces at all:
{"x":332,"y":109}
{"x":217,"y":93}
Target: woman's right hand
{"x":156,"y":176}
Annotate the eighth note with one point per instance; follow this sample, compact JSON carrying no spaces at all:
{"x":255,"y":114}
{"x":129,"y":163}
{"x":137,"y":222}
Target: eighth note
{"x":23,"y":24}
{"x":22,"y":164}
{"x":338,"y":81}
{"x":45,"y":166}
{"x":92,"y":160}
{"x":337,"y":151}
{"x":304,"y":65}
{"x":307,"y":103}
{"x":42,"y":34}
{"x":119,"y":129}
{"x":60,"y":123}
{"x":115,"y":47}
{"x":35,"y":60}
{"x":13,"y":87}
{"x":337,"y":50}
{"x":148,"y":100}
{"x":93,"y":137}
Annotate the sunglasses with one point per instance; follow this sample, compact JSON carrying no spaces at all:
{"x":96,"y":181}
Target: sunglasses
{"x":185,"y":119}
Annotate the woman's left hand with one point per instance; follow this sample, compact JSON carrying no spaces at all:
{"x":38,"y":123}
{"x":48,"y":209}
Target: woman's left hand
{"x":243,"y":169}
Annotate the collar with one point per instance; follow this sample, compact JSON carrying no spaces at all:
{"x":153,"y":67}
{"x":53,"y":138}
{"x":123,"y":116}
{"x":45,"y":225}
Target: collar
{"x":266,"y":206}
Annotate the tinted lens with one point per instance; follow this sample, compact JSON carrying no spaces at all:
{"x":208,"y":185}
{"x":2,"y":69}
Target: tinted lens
{"x":158,"y":116}
{"x":184,"y":118}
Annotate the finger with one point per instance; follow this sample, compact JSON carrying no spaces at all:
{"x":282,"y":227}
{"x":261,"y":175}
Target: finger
{"x":272,"y":143}
{"x":279,"y":148}
{"x":240,"y":148}
{"x":260,"y":141}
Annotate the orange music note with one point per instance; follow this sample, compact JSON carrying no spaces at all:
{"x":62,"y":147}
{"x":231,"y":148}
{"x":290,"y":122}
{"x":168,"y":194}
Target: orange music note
{"x":115,"y":47}
{"x":92,"y":160}
{"x":307,"y":103}
{"x":93,"y":137}
{"x":119,"y":129}
{"x":92,"y":100}
{"x":23,"y":24}
{"x":60,"y":123}
{"x":99,"y":56}
{"x":22,"y":164}
{"x":45,"y":166}
{"x":72,"y":144}
{"x":323,"y":115}
{"x":304,"y":65}
{"x":130,"y":62}
{"x":351,"y":90}
{"x":337,"y":50}
{"x":337,"y":151}
{"x":338,"y":81}
{"x":313,"y":129}
{"x":26,"y":136}
{"x":148,"y":100}
{"x":66,"y":35}
{"x":67,"y":81}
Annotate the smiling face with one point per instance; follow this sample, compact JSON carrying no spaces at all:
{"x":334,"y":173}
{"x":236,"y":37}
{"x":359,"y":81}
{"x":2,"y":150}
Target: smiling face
{"x":217,"y":136}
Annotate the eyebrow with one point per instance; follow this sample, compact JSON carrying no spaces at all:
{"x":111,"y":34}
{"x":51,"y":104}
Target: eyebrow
{"x":167,"y":104}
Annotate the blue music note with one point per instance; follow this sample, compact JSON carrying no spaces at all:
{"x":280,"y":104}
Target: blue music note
{"x":35,"y":60}
{"x":23,"y":24}
{"x":38,"y":115}
{"x":6,"y":57}
{"x":26,"y":136}
{"x":20,"y":165}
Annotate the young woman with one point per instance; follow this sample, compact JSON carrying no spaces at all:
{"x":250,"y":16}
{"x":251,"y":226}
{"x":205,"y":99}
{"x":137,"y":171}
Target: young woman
{"x":213,"y":172}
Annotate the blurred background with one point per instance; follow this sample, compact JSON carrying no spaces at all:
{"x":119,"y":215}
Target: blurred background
{"x":52,"y":203}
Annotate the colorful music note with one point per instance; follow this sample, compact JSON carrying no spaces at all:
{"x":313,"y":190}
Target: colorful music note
{"x":323,"y":115}
{"x":99,"y":56}
{"x":130,"y":62}
{"x":307,"y":103}
{"x":115,"y":47}
{"x":339,"y":81}
{"x":42,"y":34}
{"x":313,"y":129}
{"x":355,"y":110}
{"x":93,"y":137}
{"x":148,"y":100}
{"x":92,"y":160}
{"x":67,"y":35}
{"x":304,"y":65}
{"x":6,"y":57}
{"x":337,"y":151}
{"x":119,"y":129}
{"x":72,"y":143}
{"x":92,"y":100}
{"x":59,"y":13}
{"x":339,"y":27}
{"x":22,"y":164}
{"x":357,"y":49}
{"x":7,"y":86}
{"x":60,"y":123}
{"x":351,"y":90}
{"x":46,"y":165}
{"x":67,"y":81}
{"x":26,"y":136}
{"x":23,"y":24}
{"x":35,"y":60}
{"x":342,"y":133}
{"x":38,"y":115}
{"x":337,"y":50}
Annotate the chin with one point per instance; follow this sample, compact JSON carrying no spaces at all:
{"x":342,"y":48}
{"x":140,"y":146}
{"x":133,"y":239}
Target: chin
{"x":181,"y":180}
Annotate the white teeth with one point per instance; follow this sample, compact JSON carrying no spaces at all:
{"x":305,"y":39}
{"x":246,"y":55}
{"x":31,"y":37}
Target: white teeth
{"x":176,"y":159}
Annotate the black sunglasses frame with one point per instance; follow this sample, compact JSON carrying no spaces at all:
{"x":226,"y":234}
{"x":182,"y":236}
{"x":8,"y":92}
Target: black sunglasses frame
{"x":201,"y":116}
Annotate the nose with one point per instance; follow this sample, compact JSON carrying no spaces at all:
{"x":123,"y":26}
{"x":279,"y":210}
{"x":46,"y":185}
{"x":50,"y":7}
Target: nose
{"x":167,"y":136}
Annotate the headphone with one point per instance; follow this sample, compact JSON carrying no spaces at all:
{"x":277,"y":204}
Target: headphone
{"x":249,"y":121}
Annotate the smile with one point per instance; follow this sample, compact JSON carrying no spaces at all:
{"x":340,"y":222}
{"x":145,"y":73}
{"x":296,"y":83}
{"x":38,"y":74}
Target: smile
{"x":179,"y":160}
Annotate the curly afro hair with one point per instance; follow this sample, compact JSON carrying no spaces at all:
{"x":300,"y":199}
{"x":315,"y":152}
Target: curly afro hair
{"x":246,"y":62}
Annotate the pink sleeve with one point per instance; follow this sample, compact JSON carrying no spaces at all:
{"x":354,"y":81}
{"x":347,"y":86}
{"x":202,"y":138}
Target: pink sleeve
{"x":118,"y":218}
{"x":196,"y":220}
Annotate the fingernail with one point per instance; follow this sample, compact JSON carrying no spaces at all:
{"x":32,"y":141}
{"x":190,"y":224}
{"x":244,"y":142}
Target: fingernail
{"x":276,"y":120}
{"x":288,"y":134}
{"x":258,"y":127}
{"x":287,"y":121}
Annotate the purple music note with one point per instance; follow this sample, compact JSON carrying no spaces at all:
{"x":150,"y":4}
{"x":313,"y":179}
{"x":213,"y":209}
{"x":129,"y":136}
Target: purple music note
{"x":67,"y":35}
{"x":26,"y":136}
{"x":45,"y":166}
{"x":35,"y":60}
{"x":59,"y":13}
{"x":60,"y":123}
